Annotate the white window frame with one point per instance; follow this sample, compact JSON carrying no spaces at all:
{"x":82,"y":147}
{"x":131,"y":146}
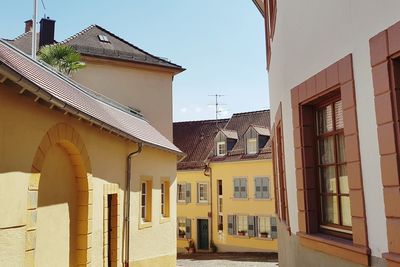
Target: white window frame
{"x":143,"y":206}
{"x":178,"y":219}
{"x":246,"y":224}
{"x":268,"y":223}
{"x":219,"y":153}
{"x":251,"y":140}
{"x":183,"y":185}
{"x":199,"y":185}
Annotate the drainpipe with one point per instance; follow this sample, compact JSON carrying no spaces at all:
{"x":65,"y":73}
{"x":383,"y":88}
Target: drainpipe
{"x":208,"y":172}
{"x":128,"y":201}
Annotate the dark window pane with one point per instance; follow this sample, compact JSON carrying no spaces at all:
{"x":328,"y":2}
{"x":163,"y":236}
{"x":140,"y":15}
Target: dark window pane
{"x":327,"y":150}
{"x":330,"y":213}
{"x":328,"y":179}
{"x":340,"y":148}
{"x":324,"y":117}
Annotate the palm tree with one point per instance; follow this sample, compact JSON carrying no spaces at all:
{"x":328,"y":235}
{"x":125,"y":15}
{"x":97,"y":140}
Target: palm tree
{"x":63,"y":58}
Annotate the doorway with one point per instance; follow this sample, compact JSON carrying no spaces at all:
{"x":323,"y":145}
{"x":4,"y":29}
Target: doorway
{"x":202,"y":234}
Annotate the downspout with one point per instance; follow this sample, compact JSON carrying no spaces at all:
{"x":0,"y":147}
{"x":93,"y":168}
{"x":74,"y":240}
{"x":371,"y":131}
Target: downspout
{"x":208,"y":172}
{"x":128,"y":201}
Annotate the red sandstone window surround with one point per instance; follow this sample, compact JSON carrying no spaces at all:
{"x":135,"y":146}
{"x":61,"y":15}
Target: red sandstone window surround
{"x":385,"y":63}
{"x":338,"y":233}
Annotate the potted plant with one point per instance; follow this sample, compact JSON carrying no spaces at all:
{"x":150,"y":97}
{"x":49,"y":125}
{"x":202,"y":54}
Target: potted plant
{"x":264,"y":234}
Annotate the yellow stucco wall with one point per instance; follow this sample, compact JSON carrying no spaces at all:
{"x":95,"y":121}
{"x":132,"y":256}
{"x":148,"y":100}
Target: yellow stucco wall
{"x":149,"y":90}
{"x":250,"y":206}
{"x":24,"y":125}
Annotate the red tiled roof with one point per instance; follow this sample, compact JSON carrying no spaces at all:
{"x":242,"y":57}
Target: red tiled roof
{"x":195,"y":139}
{"x":76,"y":97}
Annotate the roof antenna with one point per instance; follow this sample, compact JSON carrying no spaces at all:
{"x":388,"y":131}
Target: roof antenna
{"x":217,"y":105}
{"x":44,"y":8}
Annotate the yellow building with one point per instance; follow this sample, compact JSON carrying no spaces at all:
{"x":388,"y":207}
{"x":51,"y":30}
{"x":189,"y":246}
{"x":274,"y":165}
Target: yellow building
{"x":68,"y":157}
{"x":225,"y":187}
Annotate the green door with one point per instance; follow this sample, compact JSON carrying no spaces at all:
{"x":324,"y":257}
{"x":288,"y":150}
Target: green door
{"x":202,"y":233}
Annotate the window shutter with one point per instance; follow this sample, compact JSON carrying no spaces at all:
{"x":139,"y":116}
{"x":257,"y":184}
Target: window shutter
{"x":243,"y":188}
{"x":230,"y":224}
{"x":188,"y":192}
{"x":274,"y":229}
{"x":265,"y":188}
{"x":258,"y":187}
{"x":251,"y":226}
{"x":256,"y":230}
{"x":188,"y":229}
{"x":236,"y":188}
{"x":198,"y":192}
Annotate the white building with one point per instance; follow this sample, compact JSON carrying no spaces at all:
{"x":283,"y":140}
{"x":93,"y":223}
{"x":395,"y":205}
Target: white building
{"x":334,"y":68}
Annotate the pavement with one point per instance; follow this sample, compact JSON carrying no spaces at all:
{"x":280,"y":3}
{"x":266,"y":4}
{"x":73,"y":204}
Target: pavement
{"x":228,"y":259}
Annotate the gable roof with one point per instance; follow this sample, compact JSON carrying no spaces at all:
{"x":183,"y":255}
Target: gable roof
{"x":230,"y":134}
{"x":240,"y":122}
{"x":261,"y":130}
{"x":68,"y":95}
{"x":87,"y":42}
{"x":196,"y":140}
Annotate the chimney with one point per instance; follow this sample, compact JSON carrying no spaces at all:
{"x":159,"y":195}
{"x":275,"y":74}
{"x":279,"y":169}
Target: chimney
{"x":46,"y":35}
{"x":28,"y":25}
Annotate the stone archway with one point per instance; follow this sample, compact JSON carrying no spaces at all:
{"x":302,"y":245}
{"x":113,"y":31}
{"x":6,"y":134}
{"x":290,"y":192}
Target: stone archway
{"x":67,"y":138}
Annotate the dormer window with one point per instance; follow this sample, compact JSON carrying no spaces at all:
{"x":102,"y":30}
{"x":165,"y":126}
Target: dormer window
{"x":251,"y":146}
{"x":221,"y":149}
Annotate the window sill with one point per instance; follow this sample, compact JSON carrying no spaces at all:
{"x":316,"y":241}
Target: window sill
{"x":143,"y":225}
{"x":203,"y":203}
{"x":241,"y":236}
{"x":338,"y":247}
{"x":262,"y":199}
{"x":392,"y":257}
{"x":165,"y":219}
{"x":240,"y":198}
{"x":264,"y":238}
{"x":183,"y":203}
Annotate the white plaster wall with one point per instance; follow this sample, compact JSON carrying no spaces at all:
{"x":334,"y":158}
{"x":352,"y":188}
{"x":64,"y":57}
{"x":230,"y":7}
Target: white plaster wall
{"x":310,"y":35}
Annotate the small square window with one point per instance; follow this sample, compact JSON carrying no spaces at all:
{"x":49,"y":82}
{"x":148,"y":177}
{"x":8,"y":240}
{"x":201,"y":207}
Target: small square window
{"x":103,"y":38}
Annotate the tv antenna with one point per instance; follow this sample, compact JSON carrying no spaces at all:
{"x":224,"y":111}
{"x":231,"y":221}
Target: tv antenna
{"x":217,"y":104}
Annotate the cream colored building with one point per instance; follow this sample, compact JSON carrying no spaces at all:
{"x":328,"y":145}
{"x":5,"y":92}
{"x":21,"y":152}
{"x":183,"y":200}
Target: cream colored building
{"x":64,"y":158}
{"x":334,"y":75}
{"x":225,"y":190}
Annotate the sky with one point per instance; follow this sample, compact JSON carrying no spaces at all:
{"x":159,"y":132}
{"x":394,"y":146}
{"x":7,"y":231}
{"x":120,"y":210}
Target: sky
{"x":220,"y":43}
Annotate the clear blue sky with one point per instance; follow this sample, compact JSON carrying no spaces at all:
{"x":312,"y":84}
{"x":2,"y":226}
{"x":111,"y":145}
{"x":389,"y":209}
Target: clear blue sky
{"x":220,"y":43}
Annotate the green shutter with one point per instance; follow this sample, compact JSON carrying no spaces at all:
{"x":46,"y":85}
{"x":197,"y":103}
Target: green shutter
{"x":251,"y":226}
{"x":274,"y":228}
{"x":230,"y":225}
{"x":258,"y":187}
{"x":188,"y":229}
{"x":236,"y":188}
{"x":188,"y":193}
{"x":243,"y":188}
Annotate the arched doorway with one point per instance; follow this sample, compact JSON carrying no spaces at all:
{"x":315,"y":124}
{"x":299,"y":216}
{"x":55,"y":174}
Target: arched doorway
{"x":62,"y":189}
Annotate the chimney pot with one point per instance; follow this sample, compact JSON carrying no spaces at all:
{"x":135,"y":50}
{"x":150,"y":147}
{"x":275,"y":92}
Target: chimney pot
{"x":46,"y":35}
{"x":28,"y":25}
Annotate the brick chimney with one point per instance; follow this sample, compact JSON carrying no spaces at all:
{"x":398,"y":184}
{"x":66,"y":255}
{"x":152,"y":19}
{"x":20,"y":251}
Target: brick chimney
{"x":47,"y":27}
{"x":28,"y":25}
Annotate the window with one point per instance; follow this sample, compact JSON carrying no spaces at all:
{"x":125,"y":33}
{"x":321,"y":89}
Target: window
{"x":221,"y":149}
{"x":184,"y":192}
{"x":165,"y":198}
{"x":220,"y":223}
{"x":240,"y":187}
{"x":261,"y":189}
{"x":242,"y":225}
{"x":202,"y":192}
{"x":184,"y":228}
{"x":283,"y":210}
{"x":334,"y":186}
{"x":103,"y":38}
{"x":145,"y":201}
{"x":251,"y":146}
{"x":264,"y":227}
